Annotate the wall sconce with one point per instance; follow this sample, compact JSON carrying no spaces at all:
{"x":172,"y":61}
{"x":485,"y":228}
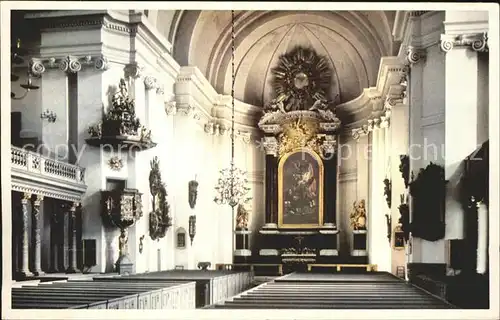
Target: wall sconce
{"x":49,"y":115}
{"x":192,"y":227}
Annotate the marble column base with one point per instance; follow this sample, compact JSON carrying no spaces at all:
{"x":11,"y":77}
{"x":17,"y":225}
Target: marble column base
{"x":38,"y":273}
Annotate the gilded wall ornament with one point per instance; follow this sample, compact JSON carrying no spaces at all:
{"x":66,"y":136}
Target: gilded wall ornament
{"x":358,"y":215}
{"x":299,"y":134}
{"x":241,"y":217}
{"x":301,"y":78}
{"x":115,"y":163}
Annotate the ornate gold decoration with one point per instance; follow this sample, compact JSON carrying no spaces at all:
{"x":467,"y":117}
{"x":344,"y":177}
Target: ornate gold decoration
{"x":358,"y":215}
{"x":299,"y":134}
{"x":301,"y":78}
{"x":241,"y":217}
{"x":115,"y":163}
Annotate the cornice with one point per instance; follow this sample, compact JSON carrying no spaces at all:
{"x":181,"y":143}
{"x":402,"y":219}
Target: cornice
{"x":389,"y":91}
{"x":115,"y":23}
{"x":46,"y":186}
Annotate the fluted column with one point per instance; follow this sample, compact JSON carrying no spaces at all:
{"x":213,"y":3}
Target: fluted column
{"x":24,"y":269}
{"x":72,"y":268}
{"x":36,"y":226}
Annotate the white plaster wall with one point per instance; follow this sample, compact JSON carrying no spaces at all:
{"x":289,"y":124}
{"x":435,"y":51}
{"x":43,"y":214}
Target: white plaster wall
{"x":92,"y":97}
{"x":30,"y":106}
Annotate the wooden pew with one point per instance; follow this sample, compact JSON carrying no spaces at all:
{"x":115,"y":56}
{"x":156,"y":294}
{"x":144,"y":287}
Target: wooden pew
{"x":211,"y":286}
{"x":151,"y":295}
{"x":113,"y":295}
{"x":338,"y":267}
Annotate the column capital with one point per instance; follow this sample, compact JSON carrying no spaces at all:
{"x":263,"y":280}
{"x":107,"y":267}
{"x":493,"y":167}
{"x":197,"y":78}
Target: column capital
{"x":69,"y":64}
{"x":414,"y":55}
{"x":134,"y":70}
{"x":39,"y":198}
{"x":171,"y":108}
{"x":26,"y":196}
{"x":476,"y":41}
{"x":150,"y":82}
{"x":329,"y":144}
{"x":270,"y":145}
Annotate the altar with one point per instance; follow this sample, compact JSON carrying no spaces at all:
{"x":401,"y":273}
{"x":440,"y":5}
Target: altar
{"x":300,"y":139}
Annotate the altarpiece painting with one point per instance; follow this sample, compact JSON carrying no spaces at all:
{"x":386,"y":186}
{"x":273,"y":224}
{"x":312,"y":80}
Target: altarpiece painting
{"x":300,"y":189}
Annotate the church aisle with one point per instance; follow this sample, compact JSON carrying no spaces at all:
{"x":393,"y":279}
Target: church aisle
{"x":335,"y":291}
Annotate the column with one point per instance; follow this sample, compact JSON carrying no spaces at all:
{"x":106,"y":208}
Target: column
{"x":330,"y":181}
{"x":463,"y":113}
{"x":72,"y":268}
{"x":371,"y":224}
{"x":24,"y":269}
{"x":399,"y":146}
{"x":271,"y":182}
{"x":36,"y":223}
{"x":482,"y":238}
{"x":384,"y":246}
{"x":415,"y":58}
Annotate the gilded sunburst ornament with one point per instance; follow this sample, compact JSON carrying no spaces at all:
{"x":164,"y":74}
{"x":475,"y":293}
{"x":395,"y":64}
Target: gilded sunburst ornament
{"x":301,"y":78}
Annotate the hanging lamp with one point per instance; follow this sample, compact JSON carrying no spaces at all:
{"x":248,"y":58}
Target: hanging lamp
{"x":232,"y":186}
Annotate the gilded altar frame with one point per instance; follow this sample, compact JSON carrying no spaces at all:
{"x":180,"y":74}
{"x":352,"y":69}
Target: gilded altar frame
{"x":320,"y":190}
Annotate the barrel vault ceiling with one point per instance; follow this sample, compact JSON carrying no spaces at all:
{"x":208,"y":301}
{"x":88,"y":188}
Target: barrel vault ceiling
{"x":352,"y":41}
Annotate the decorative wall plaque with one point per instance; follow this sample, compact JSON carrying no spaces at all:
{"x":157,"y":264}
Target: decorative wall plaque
{"x":115,"y":163}
{"x":192,"y":192}
{"x":388,"y":191}
{"x":159,"y":218}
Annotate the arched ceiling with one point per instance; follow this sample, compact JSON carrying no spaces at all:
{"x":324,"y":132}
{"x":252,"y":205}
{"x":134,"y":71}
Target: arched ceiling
{"x":352,"y":42}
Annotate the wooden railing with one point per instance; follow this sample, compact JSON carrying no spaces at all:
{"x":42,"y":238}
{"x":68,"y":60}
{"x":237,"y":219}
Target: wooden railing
{"x":31,"y":162}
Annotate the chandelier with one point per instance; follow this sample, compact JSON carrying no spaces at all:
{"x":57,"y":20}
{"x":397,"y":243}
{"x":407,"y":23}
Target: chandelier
{"x":16,"y":59}
{"x":232,"y":186}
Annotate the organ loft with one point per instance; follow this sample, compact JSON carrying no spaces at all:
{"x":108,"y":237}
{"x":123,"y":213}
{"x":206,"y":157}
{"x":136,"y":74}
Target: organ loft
{"x":248,"y":159}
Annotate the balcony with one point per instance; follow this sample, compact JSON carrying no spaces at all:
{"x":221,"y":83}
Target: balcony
{"x":37,"y":174}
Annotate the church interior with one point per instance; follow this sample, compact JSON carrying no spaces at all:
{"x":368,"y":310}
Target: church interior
{"x":199,"y":159}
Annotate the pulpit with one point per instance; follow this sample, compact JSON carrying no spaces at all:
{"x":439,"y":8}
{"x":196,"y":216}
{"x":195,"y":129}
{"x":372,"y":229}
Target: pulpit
{"x":300,"y":138}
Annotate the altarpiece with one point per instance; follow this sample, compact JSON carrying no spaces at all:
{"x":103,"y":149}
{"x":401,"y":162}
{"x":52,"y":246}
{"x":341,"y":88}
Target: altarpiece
{"x":300,"y":139}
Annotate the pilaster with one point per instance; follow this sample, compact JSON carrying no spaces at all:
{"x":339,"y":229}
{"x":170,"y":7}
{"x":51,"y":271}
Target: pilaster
{"x":466,"y":71}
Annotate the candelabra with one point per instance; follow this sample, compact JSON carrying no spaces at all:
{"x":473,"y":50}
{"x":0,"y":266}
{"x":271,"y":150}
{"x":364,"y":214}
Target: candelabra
{"x":232,"y":184}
